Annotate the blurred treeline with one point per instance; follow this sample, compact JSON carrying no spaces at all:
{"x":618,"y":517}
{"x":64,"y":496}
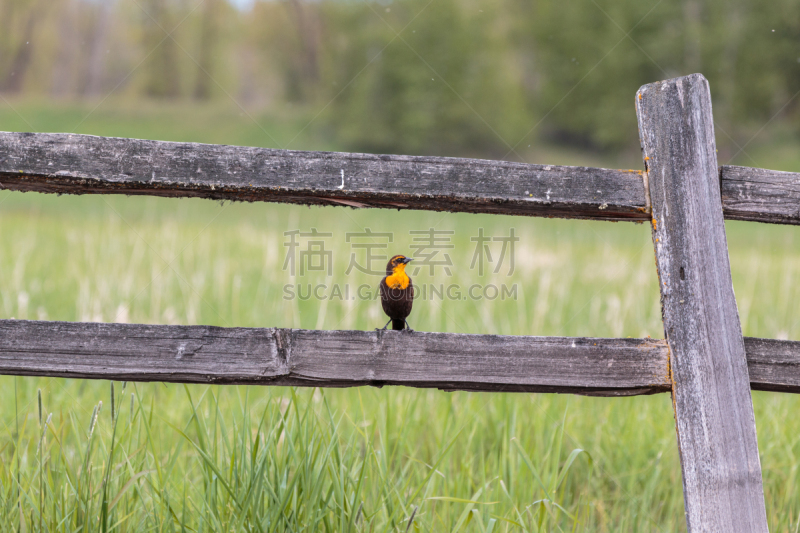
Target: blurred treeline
{"x":444,"y":77}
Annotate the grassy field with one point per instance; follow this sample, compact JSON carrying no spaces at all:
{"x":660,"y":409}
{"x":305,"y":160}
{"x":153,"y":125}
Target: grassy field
{"x":174,"y":458}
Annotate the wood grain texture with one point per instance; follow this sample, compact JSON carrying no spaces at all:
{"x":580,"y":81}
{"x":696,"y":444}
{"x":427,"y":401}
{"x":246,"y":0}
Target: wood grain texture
{"x":774,"y":365}
{"x":274,"y":356}
{"x":83,"y":164}
{"x":711,"y":389}
{"x":760,"y":195}
{"x":269,"y":356}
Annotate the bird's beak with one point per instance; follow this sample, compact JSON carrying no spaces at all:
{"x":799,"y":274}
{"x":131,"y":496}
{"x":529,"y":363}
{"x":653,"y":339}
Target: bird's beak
{"x":407,"y":260}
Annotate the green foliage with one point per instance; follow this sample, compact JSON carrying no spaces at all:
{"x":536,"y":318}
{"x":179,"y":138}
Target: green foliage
{"x":456,"y":77}
{"x":276,"y":459}
{"x":600,"y":54}
{"x":415,"y":88}
{"x":443,"y":77}
{"x":281,"y":460}
{"x":592,"y":69}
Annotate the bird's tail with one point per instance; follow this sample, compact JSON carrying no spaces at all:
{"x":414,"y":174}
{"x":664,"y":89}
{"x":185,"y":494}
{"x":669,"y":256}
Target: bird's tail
{"x":398,"y":323}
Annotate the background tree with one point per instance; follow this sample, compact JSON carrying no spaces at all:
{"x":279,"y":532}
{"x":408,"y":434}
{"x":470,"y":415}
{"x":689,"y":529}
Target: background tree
{"x":208,"y":44}
{"x":163,"y":76}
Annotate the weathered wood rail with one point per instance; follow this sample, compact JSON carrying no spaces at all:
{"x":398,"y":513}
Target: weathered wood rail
{"x":760,"y":195}
{"x":448,"y":361}
{"x":704,"y":361}
{"x":83,"y":164}
{"x":274,"y":356}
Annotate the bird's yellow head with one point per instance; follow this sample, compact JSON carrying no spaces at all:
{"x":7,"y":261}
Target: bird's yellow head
{"x":396,"y":276}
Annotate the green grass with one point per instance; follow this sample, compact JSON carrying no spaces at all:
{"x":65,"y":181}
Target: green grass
{"x":199,"y":458}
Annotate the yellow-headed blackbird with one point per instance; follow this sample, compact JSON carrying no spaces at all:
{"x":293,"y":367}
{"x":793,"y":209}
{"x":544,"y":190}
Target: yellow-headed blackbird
{"x":397,"y":293}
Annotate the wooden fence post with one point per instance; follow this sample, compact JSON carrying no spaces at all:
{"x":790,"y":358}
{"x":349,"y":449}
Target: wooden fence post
{"x":710,"y":383}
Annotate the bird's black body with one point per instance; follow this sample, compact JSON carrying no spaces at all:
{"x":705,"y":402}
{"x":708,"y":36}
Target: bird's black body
{"x":397,"y":292}
{"x":397,"y":303}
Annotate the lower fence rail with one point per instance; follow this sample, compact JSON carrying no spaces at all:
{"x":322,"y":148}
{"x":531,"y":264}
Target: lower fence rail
{"x":448,"y":361}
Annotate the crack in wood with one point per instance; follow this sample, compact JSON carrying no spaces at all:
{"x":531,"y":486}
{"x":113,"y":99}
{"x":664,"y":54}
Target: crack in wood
{"x":283,"y":342}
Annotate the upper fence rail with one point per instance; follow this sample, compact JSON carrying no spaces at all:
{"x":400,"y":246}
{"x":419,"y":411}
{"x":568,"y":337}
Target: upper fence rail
{"x":84,"y":164}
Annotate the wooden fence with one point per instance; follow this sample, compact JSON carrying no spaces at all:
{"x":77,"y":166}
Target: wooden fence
{"x":704,"y":361}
